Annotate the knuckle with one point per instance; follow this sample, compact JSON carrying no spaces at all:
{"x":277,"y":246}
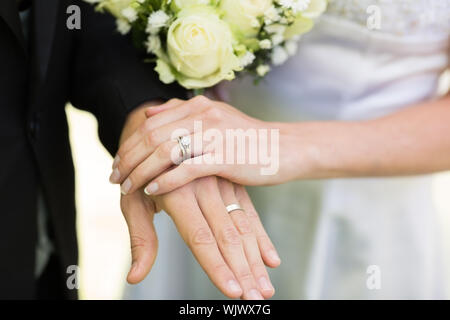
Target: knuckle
{"x":201,"y":100}
{"x":174,"y":100}
{"x":243,"y":225}
{"x":137,"y":242}
{"x":147,"y":126}
{"x":124,"y":164}
{"x":151,"y":138}
{"x":220,"y":268}
{"x":244,"y":275}
{"x":257,"y":267}
{"x":252,"y":213}
{"x":212,"y":113}
{"x":202,"y":236}
{"x":229,"y":236}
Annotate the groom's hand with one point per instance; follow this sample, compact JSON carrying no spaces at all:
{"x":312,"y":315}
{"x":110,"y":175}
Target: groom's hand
{"x":231,"y":248}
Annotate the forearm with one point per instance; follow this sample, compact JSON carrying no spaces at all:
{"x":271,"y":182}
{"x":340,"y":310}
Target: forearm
{"x":412,"y":141}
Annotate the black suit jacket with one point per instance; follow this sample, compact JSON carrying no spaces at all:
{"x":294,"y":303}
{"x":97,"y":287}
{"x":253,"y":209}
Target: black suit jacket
{"x":97,"y":70}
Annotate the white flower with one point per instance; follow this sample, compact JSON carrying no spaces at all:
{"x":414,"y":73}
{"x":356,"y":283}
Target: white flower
{"x":242,"y":15}
{"x":279,"y":56}
{"x":153,"y":44}
{"x":247,"y":59}
{"x":156,"y":21}
{"x":265,"y":44}
{"x":180,"y":4}
{"x":130,"y":14}
{"x":295,"y":5}
{"x":315,"y":9}
{"x":115,"y":7}
{"x":277,"y":39}
{"x":291,"y":47}
{"x":271,"y":15}
{"x":123,"y":26}
{"x":165,"y":72}
{"x":200,"y":48}
{"x":275,"y":29}
{"x":262,"y":70}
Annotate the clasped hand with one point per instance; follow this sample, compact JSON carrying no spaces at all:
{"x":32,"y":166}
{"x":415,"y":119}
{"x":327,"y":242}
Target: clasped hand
{"x":232,"y":248}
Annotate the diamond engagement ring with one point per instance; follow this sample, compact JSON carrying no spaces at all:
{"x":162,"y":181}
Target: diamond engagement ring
{"x":233,"y":207}
{"x":185,"y":146}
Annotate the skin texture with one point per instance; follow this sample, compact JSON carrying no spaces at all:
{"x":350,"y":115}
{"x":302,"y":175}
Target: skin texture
{"x":231,"y":248}
{"x":413,"y":141}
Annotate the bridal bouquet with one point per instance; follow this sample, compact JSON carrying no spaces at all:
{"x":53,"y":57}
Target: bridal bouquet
{"x":199,"y":43}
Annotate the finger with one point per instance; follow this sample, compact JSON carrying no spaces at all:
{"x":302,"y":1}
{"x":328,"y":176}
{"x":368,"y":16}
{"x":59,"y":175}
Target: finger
{"x":147,"y":145}
{"x":165,"y":156}
{"x":137,"y":135}
{"x":194,"y":229}
{"x":165,"y":114}
{"x":196,"y":105}
{"x":250,"y":243}
{"x":187,"y":171}
{"x":153,"y":110}
{"x":268,"y":251}
{"x":138,"y":212}
{"x":227,"y":236}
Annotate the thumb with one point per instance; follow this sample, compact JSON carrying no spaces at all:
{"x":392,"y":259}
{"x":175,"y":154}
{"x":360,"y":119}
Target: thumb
{"x":138,"y":212}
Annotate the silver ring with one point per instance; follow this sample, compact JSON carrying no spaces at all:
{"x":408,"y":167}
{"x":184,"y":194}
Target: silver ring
{"x":233,"y":207}
{"x":185,"y":146}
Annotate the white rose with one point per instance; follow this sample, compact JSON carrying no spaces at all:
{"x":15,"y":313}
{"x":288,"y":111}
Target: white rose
{"x":177,"y":5}
{"x":315,"y":9}
{"x":200,"y":48}
{"x":243,"y":15}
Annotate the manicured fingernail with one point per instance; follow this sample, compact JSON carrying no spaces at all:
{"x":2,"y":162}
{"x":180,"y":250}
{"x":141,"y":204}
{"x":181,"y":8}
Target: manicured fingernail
{"x":115,"y":176}
{"x":273,"y":255}
{"x":151,"y":189}
{"x":116,"y":162}
{"x":265,"y":284}
{"x":234,"y":286}
{"x":254,"y":295}
{"x":126,"y":186}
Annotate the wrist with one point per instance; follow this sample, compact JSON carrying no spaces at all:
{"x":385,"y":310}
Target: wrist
{"x":308,"y":150}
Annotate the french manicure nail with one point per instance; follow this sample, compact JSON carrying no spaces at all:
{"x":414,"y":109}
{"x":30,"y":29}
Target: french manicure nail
{"x":254,"y":295}
{"x":151,"y":189}
{"x":116,"y":162}
{"x":234,"y":286}
{"x":265,"y":284}
{"x":126,"y":186}
{"x":115,"y":176}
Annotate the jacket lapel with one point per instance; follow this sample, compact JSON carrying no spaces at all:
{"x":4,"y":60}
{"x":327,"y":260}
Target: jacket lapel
{"x":10,"y":14}
{"x":44,"y":23}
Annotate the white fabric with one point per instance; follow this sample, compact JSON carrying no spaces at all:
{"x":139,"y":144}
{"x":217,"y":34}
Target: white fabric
{"x":343,"y":71}
{"x":329,"y":232}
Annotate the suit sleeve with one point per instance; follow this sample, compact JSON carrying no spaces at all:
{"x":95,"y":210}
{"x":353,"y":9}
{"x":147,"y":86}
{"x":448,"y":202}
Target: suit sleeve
{"x":109,"y":77}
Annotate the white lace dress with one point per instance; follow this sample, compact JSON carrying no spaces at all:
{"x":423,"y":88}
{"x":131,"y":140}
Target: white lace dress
{"x":329,"y":232}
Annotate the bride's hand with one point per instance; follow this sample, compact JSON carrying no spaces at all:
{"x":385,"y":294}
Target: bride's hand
{"x":216,"y":147}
